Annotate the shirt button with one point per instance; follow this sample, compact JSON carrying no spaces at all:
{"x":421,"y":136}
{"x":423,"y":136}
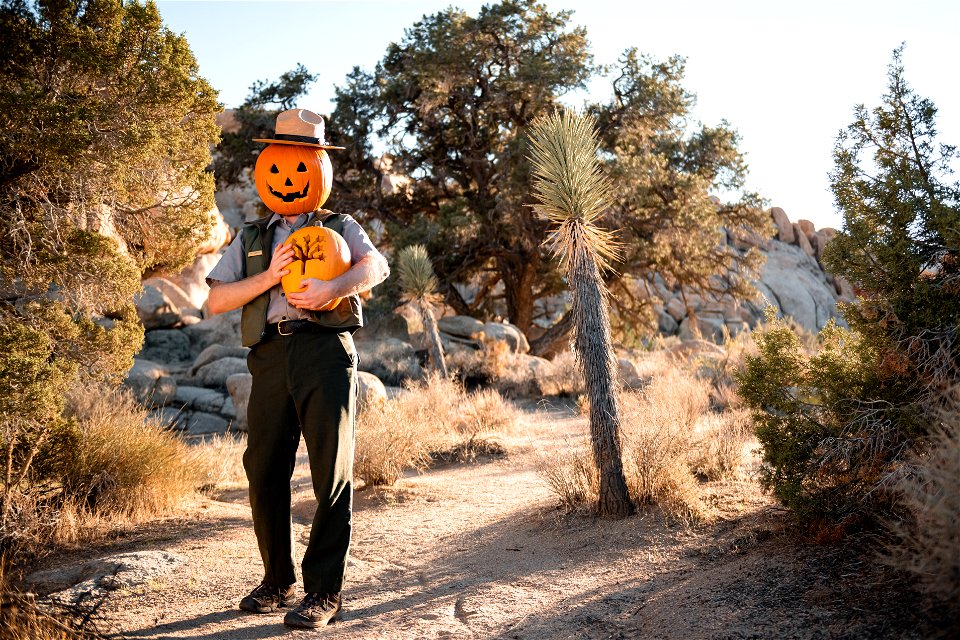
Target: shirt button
{"x":283,"y":295}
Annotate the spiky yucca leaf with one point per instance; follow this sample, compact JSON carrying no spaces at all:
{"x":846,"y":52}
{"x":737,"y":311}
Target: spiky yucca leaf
{"x":570,"y":186}
{"x":415,"y":271}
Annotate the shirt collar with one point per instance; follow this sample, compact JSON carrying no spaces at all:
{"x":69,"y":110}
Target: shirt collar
{"x":277,"y":218}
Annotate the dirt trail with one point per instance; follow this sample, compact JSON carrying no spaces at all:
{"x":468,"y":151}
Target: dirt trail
{"x":478,"y":551}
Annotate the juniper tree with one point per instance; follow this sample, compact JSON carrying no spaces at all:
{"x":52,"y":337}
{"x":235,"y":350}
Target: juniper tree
{"x":573,"y":193}
{"x":835,"y":426}
{"x":418,"y":284}
{"x":452,"y":103}
{"x":105,"y":132}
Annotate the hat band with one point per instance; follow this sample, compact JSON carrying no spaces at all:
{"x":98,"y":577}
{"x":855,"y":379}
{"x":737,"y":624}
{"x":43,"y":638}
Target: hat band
{"x":292,"y":138}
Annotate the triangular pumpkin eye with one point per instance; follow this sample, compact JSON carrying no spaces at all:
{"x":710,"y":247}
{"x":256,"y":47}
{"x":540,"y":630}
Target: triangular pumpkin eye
{"x":273,"y":169}
{"x":302,"y":168}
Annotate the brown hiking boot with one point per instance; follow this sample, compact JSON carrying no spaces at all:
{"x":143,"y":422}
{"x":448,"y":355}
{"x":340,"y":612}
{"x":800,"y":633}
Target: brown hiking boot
{"x":315,"y":610}
{"x":267,"y":598}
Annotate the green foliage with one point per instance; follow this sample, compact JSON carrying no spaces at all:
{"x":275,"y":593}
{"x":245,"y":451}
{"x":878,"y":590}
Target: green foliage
{"x":828,"y":438}
{"x":415,"y":273}
{"x":571,"y":189}
{"x":257,"y":118}
{"x":454,"y":101}
{"x":901,"y":238}
{"x":105,"y":132}
{"x":836,"y":426}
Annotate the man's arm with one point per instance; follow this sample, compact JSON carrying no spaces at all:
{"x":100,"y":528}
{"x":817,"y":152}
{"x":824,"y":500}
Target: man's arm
{"x":370,"y":271}
{"x":227,"y":296}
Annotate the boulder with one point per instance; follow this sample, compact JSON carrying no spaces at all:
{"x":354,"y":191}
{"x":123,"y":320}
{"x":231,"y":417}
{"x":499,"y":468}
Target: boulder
{"x":784,"y":227}
{"x":461,"y":326}
{"x":150,"y":383}
{"x":807,"y":227}
{"x":215,"y":352}
{"x":222,"y":329}
{"x":705,"y":326}
{"x":543,"y":376}
{"x":167,"y":417}
{"x":666,"y":324}
{"x":508,"y":333}
{"x":676,"y":308}
{"x":390,"y":359}
{"x":201,"y":423}
{"x":792,"y":281}
{"x":215,"y":374}
{"x":175,"y":294}
{"x":844,"y":289}
{"x":802,"y":241}
{"x":198,"y":398}
{"x":818,"y":241}
{"x":238,"y":386}
{"x":691,"y":349}
{"x":156,"y":310}
{"x":89,"y":580}
{"x":192,"y":280}
{"x":410,"y":325}
{"x":372,"y":392}
{"x":219,"y":233}
{"x":166,"y":345}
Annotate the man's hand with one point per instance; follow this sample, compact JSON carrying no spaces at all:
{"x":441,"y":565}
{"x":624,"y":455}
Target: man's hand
{"x":315,"y":294}
{"x":282,"y":257}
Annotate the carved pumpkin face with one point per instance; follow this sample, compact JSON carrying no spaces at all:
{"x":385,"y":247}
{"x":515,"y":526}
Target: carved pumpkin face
{"x":293,"y":179}
{"x":319,"y":253}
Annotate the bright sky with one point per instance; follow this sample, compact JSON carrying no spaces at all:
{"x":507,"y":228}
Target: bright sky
{"x":786,"y":75}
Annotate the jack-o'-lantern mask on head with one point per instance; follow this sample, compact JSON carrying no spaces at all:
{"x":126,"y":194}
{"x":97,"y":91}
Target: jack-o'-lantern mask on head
{"x":293,"y":173}
{"x":293,"y":179}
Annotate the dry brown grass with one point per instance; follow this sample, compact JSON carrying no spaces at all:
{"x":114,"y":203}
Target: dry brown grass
{"x":572,"y":476}
{"x":928,"y":539}
{"x":671,"y":440}
{"x":126,"y":469}
{"x":435,"y":419}
{"x":720,"y":443}
{"x":219,"y":461}
{"x":126,"y":463}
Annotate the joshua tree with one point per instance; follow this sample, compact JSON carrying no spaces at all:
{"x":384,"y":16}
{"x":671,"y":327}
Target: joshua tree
{"x":573,"y":193}
{"x":419,"y":286}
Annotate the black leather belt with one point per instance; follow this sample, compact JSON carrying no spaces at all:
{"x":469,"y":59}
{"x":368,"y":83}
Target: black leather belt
{"x":289,"y":327}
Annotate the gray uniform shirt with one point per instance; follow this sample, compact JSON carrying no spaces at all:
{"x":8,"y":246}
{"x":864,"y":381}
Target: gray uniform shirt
{"x":231,"y":265}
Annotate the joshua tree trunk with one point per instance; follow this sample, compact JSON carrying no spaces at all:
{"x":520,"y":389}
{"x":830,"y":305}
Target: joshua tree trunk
{"x":433,"y":337}
{"x":595,"y":357}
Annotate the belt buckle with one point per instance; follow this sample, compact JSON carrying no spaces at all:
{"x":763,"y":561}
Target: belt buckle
{"x":280,"y":330}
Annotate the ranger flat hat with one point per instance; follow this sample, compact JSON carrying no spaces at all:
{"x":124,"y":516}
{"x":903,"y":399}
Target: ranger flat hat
{"x":299,"y":127}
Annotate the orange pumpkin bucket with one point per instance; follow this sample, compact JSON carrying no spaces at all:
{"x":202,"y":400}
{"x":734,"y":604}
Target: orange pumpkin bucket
{"x":319,"y":253}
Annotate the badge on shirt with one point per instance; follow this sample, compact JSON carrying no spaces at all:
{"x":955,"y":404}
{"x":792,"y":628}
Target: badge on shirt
{"x":254,"y":254}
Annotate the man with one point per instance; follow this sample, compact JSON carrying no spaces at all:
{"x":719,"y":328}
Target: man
{"x":304,"y":367}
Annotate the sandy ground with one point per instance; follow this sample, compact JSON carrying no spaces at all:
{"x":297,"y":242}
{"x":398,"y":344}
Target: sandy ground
{"x":481,"y":551}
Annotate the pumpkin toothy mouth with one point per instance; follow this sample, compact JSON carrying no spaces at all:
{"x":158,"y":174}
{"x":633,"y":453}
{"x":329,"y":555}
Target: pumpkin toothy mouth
{"x":290,"y":197}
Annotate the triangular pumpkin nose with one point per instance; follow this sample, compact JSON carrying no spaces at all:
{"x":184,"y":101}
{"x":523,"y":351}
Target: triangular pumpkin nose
{"x":288,"y":183}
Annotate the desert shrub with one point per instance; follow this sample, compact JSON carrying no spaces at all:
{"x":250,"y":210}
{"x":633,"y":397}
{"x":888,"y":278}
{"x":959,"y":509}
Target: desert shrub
{"x":927,"y":537}
{"x":838,"y":425}
{"x":387,"y":444}
{"x":658,"y":439}
{"x":219,"y":461}
{"x":826,"y":446}
{"x":125,"y":463}
{"x":434,"y":419}
{"x":719,"y":444}
{"x":571,"y":475}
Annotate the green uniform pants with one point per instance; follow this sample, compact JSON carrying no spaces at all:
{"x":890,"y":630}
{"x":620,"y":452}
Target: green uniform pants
{"x":302,"y":383}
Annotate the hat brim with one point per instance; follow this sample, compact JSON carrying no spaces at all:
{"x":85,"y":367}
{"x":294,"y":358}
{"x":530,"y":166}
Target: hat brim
{"x":299,"y":144}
